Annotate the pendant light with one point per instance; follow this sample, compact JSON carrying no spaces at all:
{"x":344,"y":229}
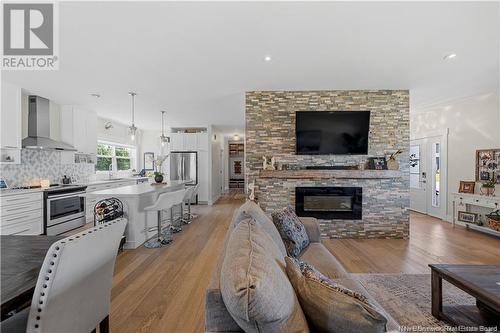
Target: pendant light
{"x":163,"y":138}
{"x":132,"y":129}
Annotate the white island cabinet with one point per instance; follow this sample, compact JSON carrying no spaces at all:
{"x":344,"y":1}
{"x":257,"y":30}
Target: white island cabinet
{"x":21,"y":212}
{"x":134,"y":199}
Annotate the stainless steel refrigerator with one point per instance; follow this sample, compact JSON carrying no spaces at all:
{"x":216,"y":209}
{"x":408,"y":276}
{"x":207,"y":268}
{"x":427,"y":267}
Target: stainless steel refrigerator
{"x":184,"y":166}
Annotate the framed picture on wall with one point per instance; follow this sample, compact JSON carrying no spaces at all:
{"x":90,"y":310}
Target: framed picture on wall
{"x":466,"y":187}
{"x":377,"y":163}
{"x":149,"y":161}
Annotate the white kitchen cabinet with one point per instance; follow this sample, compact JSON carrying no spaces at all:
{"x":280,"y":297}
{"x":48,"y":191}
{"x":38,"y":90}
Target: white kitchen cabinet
{"x":190,"y":141}
{"x":10,"y":116}
{"x":177,"y":141}
{"x":21,"y":214}
{"x":203,"y":177}
{"x":78,"y":128}
{"x":202,"y":141}
{"x":10,"y":124}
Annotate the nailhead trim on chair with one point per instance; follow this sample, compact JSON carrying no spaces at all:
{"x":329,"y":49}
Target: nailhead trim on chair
{"x":53,"y":267}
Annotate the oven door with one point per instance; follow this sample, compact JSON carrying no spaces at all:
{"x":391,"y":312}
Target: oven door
{"x":65,"y":207}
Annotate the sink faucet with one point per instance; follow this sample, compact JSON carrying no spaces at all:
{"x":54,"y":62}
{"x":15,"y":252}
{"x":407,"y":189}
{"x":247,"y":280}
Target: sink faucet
{"x":110,"y":169}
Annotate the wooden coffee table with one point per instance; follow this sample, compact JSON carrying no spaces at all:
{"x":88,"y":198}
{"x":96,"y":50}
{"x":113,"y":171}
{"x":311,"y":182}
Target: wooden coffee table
{"x":479,"y":281}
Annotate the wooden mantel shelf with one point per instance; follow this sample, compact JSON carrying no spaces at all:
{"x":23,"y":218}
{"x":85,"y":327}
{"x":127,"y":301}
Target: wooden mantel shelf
{"x":329,"y":174}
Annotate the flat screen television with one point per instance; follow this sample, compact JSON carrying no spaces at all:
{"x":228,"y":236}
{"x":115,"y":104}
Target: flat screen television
{"x":332,"y":133}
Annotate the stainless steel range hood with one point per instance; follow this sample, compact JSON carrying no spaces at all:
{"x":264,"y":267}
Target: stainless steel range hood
{"x":39,"y":127}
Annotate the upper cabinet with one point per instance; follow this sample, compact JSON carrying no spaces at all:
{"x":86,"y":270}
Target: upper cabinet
{"x":10,"y":116}
{"x":79,"y":129}
{"x":189,"y":142}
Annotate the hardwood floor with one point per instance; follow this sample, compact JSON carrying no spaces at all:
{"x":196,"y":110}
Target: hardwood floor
{"x":431,"y":241}
{"x":162,"y":290}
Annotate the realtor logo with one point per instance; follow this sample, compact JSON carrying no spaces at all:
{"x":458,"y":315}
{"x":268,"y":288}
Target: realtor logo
{"x":29,"y":36}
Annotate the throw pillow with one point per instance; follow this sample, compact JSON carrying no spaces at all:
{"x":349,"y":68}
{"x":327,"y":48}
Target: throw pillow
{"x":292,"y":231}
{"x":251,"y":209}
{"x":330,"y":307}
{"x":254,"y":284}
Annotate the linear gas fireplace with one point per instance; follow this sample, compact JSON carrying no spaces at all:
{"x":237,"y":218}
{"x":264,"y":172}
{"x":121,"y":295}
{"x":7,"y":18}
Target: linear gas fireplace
{"x":329,"y":202}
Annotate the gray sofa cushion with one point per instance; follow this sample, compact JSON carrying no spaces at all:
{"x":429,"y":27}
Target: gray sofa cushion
{"x":318,"y":255}
{"x":254,"y":285}
{"x":312,"y":228}
{"x":251,"y":209}
{"x":292,"y":231}
{"x":330,"y":307}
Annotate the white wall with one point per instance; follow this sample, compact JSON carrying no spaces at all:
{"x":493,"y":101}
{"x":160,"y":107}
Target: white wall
{"x":151,"y":143}
{"x":473,"y":122}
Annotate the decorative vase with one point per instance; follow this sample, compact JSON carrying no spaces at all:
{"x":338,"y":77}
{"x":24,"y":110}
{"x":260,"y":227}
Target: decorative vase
{"x":159,"y":179}
{"x":392,"y":164}
{"x":487,"y":190}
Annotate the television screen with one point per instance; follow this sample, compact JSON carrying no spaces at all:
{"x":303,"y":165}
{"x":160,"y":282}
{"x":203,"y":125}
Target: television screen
{"x":332,"y":133}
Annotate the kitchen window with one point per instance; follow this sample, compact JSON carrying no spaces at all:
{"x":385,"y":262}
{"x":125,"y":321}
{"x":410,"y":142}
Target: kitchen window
{"x":118,"y":157}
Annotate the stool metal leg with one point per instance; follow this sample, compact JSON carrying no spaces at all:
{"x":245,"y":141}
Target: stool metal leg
{"x":175,"y":227}
{"x":186,"y":217}
{"x":158,"y":240}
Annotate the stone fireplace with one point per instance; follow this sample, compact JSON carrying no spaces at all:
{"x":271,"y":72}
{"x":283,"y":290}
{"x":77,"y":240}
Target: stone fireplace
{"x":384,"y":200}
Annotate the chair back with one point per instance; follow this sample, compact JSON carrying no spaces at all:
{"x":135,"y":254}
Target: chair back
{"x":189,"y":193}
{"x":195,"y":191}
{"x":73,"y":290}
{"x":167,"y":200}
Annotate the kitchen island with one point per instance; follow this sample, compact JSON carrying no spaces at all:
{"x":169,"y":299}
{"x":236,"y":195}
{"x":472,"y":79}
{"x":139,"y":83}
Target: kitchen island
{"x":134,"y":199}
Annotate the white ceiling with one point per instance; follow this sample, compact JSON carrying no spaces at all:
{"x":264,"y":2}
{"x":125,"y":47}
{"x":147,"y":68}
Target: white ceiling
{"x":196,"y":60}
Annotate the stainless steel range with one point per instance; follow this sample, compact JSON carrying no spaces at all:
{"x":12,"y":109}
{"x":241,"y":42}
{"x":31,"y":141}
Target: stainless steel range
{"x":64,"y":208}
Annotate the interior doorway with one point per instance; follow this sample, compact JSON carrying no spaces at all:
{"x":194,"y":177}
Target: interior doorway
{"x":236,"y":165}
{"x":428,"y":174}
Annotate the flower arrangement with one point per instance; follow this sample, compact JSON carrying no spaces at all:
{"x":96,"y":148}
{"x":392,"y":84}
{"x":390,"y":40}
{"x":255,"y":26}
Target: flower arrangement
{"x":159,"y":160}
{"x":158,"y":164}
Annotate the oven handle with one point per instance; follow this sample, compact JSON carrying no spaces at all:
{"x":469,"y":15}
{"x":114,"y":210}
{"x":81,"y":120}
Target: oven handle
{"x":74,"y":194}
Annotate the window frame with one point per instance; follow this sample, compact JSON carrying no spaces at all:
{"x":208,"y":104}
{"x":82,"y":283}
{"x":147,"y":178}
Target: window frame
{"x":114,"y":165}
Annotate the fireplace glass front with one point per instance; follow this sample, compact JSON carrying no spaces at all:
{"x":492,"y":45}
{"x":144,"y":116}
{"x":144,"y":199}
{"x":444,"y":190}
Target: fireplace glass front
{"x":329,"y":202}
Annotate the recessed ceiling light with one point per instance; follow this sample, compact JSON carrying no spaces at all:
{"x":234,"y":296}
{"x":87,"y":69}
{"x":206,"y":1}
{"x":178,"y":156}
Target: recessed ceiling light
{"x":267,"y":58}
{"x":449,"y":56}
{"x":95,"y":95}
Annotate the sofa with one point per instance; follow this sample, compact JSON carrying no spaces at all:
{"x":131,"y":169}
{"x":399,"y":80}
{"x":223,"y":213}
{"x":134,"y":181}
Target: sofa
{"x":217,"y":315}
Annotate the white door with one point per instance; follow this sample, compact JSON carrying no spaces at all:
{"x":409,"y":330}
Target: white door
{"x":428,"y":167}
{"x":418,"y":176}
{"x":436,"y":183}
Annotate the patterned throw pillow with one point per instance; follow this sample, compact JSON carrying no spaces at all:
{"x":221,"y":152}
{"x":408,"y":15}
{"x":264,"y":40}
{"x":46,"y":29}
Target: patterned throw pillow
{"x":310,"y":272}
{"x":330,"y":307}
{"x":291,"y":230}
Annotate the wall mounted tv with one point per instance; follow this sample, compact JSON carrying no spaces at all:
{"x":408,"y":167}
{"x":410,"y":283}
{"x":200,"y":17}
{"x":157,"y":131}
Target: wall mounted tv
{"x":332,"y":132}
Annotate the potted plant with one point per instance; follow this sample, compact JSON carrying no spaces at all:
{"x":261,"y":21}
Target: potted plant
{"x":158,"y":163}
{"x":488,"y":188}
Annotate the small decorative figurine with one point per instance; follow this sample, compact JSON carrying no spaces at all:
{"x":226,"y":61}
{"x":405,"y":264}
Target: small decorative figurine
{"x":266,"y":165}
{"x":251,"y":191}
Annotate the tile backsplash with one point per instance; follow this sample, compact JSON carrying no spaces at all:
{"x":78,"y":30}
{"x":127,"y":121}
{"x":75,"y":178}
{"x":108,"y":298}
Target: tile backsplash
{"x":44,"y":164}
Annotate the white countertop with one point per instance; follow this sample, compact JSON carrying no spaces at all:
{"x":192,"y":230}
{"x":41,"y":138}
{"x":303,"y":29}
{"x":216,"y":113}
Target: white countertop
{"x":6,"y":191}
{"x":138,"y":189}
{"x":107,"y":181}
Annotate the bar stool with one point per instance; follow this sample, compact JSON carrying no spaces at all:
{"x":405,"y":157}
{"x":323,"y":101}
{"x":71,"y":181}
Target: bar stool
{"x":165,"y":201}
{"x":188,"y":199}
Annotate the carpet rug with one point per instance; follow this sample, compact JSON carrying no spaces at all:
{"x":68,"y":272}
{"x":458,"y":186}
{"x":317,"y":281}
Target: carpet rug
{"x":407,"y":297}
